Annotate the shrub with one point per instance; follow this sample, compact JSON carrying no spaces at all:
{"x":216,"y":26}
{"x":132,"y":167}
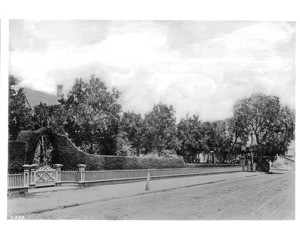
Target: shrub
{"x":132,"y":163}
{"x":262,"y":164}
{"x":66,"y":153}
{"x":70,"y":156}
{"x":158,"y":163}
{"x":92,"y":162}
{"x":16,"y":156}
{"x":32,"y":138}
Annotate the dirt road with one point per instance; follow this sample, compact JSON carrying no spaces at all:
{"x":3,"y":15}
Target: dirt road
{"x":263,"y":196}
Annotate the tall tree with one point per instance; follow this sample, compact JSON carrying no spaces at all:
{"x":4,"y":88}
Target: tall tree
{"x":19,"y":113}
{"x":191,"y":135}
{"x":93,"y":115}
{"x":132,"y":125}
{"x":49,"y":115}
{"x":160,"y":126}
{"x":268,"y":125}
{"x":227,"y":141}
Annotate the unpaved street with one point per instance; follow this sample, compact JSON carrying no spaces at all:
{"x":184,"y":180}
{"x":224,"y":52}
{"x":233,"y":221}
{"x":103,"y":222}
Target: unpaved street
{"x":262,"y":196}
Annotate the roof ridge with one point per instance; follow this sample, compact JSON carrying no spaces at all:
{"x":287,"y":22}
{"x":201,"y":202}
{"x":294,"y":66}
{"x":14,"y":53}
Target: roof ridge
{"x":36,"y":97}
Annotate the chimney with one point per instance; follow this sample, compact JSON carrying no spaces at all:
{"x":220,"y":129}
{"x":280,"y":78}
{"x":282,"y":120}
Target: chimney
{"x":59,"y":91}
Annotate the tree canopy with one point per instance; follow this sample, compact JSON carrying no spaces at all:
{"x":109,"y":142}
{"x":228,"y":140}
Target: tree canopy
{"x":91,"y":115}
{"x":160,"y":125}
{"x":20,"y":115}
{"x":132,"y":125}
{"x":267,"y":123}
{"x":192,"y":137}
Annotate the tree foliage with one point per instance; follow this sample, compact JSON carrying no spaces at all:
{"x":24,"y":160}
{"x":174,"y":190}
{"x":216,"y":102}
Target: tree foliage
{"x":49,"y":115}
{"x":19,"y":114}
{"x":93,"y":115}
{"x":226,"y":141}
{"x":268,"y":124}
{"x":160,"y":129}
{"x":192,"y":137}
{"x":132,"y":125}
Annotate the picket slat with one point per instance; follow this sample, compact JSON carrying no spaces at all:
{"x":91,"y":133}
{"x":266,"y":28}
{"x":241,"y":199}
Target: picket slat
{"x":15,"y":180}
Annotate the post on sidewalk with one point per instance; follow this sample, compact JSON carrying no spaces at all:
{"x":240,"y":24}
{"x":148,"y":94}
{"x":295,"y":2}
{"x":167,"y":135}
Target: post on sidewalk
{"x":33,"y":168}
{"x":243,"y":163}
{"x":252,"y":162}
{"x":57,"y":168}
{"x":81,"y":171}
{"x":26,"y":168}
{"x":254,"y":166}
{"x":248,"y":165}
{"x":148,"y":182}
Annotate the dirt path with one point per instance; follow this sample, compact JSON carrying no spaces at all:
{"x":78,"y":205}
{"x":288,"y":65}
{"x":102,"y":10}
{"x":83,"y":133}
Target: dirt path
{"x":265,"y":196}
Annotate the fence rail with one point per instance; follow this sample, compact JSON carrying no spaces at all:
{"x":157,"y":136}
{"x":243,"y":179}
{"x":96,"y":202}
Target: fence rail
{"x":15,"y":180}
{"x":30,"y":177}
{"x":69,"y":176}
{"x":121,"y":174}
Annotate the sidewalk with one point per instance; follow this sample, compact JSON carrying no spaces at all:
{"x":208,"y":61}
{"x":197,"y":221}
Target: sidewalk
{"x":61,"y":197}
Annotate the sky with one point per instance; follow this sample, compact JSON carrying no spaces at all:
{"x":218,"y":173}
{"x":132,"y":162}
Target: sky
{"x":199,"y":67}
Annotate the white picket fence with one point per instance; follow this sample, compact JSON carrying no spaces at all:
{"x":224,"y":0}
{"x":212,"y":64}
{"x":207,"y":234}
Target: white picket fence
{"x":15,"y":180}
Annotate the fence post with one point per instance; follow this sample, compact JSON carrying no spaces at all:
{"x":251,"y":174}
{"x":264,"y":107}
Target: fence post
{"x":254,"y":166}
{"x":81,"y":170}
{"x":148,"y":182}
{"x":57,"y":168}
{"x":26,"y":168}
{"x":248,"y":165}
{"x":33,"y":167}
{"x":243,"y":163}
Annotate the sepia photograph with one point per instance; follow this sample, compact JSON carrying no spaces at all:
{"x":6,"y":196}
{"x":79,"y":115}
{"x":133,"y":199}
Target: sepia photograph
{"x":151,"y":120}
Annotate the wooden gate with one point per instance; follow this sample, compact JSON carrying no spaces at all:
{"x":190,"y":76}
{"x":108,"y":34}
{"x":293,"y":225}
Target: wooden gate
{"x":45,"y":177}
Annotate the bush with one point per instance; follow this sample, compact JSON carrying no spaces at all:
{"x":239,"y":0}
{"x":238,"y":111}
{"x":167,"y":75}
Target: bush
{"x":262,"y":164}
{"x":32,"y":138}
{"x":133,"y":162}
{"x":66,"y":153}
{"x":16,"y":156}
{"x":158,"y":163}
{"x":70,"y":156}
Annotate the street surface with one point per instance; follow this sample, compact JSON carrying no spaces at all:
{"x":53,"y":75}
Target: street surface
{"x":212,"y":197}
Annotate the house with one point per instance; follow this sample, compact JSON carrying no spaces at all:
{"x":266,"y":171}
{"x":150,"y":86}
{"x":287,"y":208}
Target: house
{"x":291,"y":150}
{"x":288,"y":160}
{"x":207,"y":158}
{"x":34,"y":97}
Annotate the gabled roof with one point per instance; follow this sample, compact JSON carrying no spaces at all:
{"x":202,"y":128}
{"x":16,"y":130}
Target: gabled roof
{"x":35,"y":97}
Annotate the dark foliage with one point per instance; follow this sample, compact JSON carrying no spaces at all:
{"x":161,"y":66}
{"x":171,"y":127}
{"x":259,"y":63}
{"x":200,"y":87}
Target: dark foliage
{"x":66,"y":153}
{"x":93,"y":115}
{"x":32,"y":138}
{"x":19,"y":114}
{"x":16,"y":156}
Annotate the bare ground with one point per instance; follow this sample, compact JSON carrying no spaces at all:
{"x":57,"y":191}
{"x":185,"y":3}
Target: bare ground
{"x":263,"y":196}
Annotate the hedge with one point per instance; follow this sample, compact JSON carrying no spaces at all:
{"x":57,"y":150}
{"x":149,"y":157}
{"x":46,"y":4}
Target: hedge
{"x":32,"y":138}
{"x":133,"y":162}
{"x":16,"y":156}
{"x":66,"y":153}
{"x":190,"y":165}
